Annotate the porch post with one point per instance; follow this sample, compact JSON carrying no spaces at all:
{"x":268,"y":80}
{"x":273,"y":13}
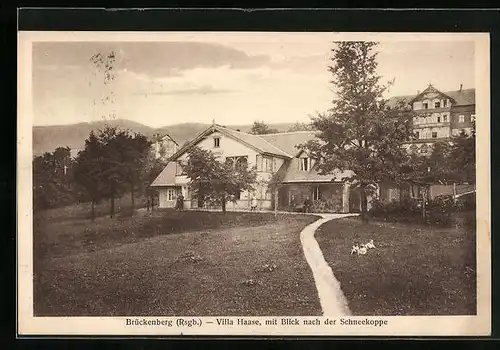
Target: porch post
{"x":345,"y":197}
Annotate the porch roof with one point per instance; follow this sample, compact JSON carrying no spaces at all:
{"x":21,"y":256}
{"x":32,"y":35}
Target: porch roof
{"x":166,"y":177}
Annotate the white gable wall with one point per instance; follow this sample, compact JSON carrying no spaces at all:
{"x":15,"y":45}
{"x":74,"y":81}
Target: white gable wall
{"x":229,"y":147}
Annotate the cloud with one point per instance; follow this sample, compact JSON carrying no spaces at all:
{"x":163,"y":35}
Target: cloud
{"x":202,"y":90}
{"x":155,"y":59}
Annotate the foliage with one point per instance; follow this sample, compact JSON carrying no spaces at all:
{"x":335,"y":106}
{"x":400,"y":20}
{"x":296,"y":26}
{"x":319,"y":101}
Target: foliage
{"x":449,"y":162}
{"x":111,"y":162}
{"x":260,"y":128}
{"x":298,"y":126}
{"x":215,"y":181}
{"x":405,"y":210}
{"x":360,"y":133}
{"x":52,"y":179}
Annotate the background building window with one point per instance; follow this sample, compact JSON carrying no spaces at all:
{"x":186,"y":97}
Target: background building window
{"x":439,"y":119}
{"x":437,"y":104}
{"x":417,"y":135}
{"x":445,"y":103}
{"x":304,"y":164}
{"x":473,"y":117}
{"x":216,"y":142}
{"x":426,"y":105}
{"x":461,"y":118}
{"x":445,"y":118}
{"x":434,"y":134}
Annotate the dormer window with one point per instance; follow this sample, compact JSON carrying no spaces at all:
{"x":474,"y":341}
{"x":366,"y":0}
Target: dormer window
{"x":445,"y":103}
{"x":426,"y":105}
{"x":216,"y":142}
{"x":304,"y":163}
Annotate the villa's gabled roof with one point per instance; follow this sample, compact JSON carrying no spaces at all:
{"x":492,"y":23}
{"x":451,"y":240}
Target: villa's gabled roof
{"x":253,"y":141}
{"x":287,"y":141}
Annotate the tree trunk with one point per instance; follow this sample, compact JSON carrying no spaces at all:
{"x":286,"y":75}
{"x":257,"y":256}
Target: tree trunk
{"x":112,"y":210}
{"x":223,"y":202}
{"x":132,"y":196}
{"x":92,"y":211}
{"x":364,"y":203}
{"x":276,"y":202}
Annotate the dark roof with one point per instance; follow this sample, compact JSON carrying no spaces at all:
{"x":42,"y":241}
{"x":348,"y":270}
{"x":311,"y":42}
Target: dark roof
{"x":462,"y":98}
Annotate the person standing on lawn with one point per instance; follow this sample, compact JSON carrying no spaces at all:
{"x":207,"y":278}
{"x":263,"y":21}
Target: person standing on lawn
{"x":253,"y":204}
{"x":180,"y":202}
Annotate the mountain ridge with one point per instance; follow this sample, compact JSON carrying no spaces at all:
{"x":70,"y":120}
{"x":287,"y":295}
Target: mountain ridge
{"x":46,"y":138}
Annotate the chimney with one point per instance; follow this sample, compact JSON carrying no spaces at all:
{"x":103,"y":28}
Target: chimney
{"x":460,"y":87}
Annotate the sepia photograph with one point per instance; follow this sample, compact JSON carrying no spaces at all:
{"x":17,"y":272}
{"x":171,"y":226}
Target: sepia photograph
{"x":246,"y":182}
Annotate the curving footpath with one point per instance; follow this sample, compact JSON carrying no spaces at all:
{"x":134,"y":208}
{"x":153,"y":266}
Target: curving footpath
{"x":330,"y":295}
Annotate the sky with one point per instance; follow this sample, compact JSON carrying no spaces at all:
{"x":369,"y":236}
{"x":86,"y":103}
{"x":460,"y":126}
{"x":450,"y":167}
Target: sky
{"x":230,"y":78}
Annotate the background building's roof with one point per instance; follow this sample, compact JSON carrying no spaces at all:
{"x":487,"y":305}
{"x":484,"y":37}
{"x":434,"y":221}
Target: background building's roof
{"x":462,"y":98}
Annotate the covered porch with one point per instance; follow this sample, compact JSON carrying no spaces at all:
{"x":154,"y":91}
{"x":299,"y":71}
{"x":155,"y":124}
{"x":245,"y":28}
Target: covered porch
{"x":326,"y":197}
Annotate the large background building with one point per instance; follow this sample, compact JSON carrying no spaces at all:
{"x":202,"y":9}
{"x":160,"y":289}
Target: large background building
{"x":438,"y":115}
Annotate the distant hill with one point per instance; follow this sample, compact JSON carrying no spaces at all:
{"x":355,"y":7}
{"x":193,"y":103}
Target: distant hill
{"x":48,"y":138}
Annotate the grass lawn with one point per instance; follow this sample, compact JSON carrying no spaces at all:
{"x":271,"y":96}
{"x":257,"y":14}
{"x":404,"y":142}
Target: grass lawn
{"x":414,"y":270}
{"x":167,"y":263}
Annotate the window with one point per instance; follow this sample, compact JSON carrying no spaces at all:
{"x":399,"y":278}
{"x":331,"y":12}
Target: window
{"x":268,"y":165}
{"x":439,"y":119}
{"x":316,"y":193}
{"x":178,"y":169}
{"x":170,"y":194}
{"x":473,"y":117}
{"x":241,"y":163}
{"x":437,"y":104}
{"x":426,"y":105}
{"x":216,"y":142}
{"x":445,"y":103}
{"x":445,"y":118}
{"x":417,"y":135}
{"x":237,"y":196}
{"x":304,"y":164}
{"x":434,"y":134}
{"x":461,"y":118}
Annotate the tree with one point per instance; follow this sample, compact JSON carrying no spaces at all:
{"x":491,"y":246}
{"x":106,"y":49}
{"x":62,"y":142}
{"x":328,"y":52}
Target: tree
{"x":88,"y":167}
{"x":133,"y":153}
{"x":215,"y":181}
{"x":153,"y":166}
{"x":298,"y":126}
{"x":462,"y":156}
{"x":360,"y":133}
{"x":52,"y":179}
{"x":260,"y":128}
